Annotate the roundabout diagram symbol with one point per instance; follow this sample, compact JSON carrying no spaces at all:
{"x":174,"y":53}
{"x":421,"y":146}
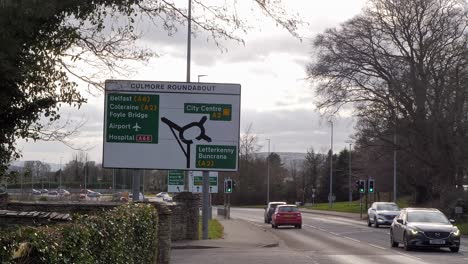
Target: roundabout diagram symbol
{"x":181,"y":136}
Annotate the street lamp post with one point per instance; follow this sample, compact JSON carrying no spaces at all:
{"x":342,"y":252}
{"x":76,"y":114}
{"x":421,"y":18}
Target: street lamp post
{"x":349,"y":178}
{"x":201,"y":75}
{"x":60,"y":175}
{"x":394,"y":166}
{"x":330,"y":196}
{"x":268,"y":172}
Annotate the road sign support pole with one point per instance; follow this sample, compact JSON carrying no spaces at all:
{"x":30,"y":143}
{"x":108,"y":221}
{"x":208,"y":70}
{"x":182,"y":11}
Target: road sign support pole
{"x":206,"y":197}
{"x":136,"y":185}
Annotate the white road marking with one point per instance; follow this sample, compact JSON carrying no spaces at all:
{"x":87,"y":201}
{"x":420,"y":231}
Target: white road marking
{"x":406,"y":255}
{"x":321,"y":229}
{"x":372,"y":245}
{"x":350,"y":238}
{"x":333,"y":233}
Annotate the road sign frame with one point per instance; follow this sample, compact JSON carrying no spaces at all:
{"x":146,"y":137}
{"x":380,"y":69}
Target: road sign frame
{"x":179,"y":185}
{"x":216,"y":148}
{"x":199,"y":187}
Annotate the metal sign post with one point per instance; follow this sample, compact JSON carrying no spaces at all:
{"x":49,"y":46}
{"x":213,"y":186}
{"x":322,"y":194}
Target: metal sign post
{"x":206,"y":197}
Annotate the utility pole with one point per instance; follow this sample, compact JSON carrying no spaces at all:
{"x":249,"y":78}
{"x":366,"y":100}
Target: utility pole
{"x":349,"y":178}
{"x":330,"y":196}
{"x":268,"y":172}
{"x":60,"y":175}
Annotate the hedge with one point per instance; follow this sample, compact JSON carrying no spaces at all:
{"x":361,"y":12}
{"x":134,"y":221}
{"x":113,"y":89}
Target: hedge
{"x":126,"y":234}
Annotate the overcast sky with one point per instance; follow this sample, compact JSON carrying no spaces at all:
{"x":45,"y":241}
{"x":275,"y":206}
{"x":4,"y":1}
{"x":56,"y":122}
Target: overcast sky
{"x":276,"y":99}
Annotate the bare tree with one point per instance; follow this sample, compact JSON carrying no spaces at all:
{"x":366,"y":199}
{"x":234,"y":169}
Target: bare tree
{"x":403,"y":65}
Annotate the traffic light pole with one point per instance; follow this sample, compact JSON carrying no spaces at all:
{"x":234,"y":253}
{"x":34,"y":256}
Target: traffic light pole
{"x":360,"y":204}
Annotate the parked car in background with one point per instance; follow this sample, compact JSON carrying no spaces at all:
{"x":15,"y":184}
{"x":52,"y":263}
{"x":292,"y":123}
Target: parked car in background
{"x":92,"y":194}
{"x":35,"y":192}
{"x":141,"y":197}
{"x":44,"y":191}
{"x":167,"y":198}
{"x":270,"y":209}
{"x":63,"y":192}
{"x":162,"y":194}
{"x":286,"y":215}
{"x":424,"y":227}
{"x":382,"y":213}
{"x":53,"y":193}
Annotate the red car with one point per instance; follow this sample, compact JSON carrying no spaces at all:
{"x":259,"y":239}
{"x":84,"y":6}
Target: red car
{"x":287,"y":214}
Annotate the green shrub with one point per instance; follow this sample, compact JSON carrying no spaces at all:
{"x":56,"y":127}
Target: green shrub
{"x":127,"y":234}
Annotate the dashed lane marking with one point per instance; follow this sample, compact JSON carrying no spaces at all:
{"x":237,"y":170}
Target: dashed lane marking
{"x":350,"y":238}
{"x":406,"y":255}
{"x":372,"y":245}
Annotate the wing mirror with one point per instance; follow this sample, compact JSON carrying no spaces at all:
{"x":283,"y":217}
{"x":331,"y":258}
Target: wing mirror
{"x":400,"y":221}
{"x":452,"y":221}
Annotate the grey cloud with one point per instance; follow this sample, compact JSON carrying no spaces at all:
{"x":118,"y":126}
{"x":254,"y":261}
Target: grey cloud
{"x":297,"y":130}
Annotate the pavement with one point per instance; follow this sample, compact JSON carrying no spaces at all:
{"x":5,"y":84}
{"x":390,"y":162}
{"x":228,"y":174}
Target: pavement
{"x":237,"y":234}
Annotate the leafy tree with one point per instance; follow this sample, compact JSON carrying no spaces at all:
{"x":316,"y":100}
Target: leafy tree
{"x":43,"y":43}
{"x":403,"y":65}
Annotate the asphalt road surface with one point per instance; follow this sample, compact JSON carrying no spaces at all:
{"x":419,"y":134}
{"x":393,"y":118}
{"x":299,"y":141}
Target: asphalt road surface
{"x":329,"y":239}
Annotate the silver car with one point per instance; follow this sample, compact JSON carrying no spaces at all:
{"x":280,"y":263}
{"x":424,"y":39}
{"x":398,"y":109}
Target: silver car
{"x":382,"y":213}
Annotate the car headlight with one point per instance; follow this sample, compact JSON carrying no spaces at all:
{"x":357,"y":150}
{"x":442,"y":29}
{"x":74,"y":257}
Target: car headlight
{"x":414,"y":231}
{"x":456,"y":232}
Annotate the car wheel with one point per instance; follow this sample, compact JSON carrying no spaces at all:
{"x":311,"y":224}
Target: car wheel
{"x":405,"y":243}
{"x":266,"y":221}
{"x":272,"y":226}
{"x":376,"y":224}
{"x":392,"y":242}
{"x":455,"y":249}
{"x":299,"y":226}
{"x":369,"y":222}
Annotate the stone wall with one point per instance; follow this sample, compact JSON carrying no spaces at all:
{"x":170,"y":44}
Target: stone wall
{"x":14,"y":218}
{"x":61,"y":206}
{"x":3,"y":201}
{"x":185,"y":216}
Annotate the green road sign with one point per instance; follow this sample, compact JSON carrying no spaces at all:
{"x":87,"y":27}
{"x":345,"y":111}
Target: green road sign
{"x":198,"y":180}
{"x":217,"y":112}
{"x":216,"y":157}
{"x":132,"y":118}
{"x":176,"y":177}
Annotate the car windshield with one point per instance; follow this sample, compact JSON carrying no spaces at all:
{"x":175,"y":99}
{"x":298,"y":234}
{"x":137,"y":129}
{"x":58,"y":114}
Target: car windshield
{"x":387,"y":207}
{"x":427,"y":217}
{"x":288,"y":209}
{"x":275,"y":205}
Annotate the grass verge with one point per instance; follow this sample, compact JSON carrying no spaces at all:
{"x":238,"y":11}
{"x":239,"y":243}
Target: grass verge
{"x":463,"y":228}
{"x":215,"y":229}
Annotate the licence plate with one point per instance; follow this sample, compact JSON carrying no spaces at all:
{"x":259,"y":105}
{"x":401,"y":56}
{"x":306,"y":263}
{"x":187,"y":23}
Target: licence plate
{"x":289,"y":215}
{"x":437,"y":242}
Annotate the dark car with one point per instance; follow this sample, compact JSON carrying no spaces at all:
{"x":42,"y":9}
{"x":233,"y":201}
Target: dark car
{"x":270,"y":209}
{"x":382,"y":213}
{"x":286,"y":215}
{"x":424,"y":227}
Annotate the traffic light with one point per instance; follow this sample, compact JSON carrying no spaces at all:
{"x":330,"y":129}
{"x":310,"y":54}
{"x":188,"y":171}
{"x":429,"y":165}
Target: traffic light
{"x":362,"y":186}
{"x":356,"y":186}
{"x":371,"y":185}
{"x":228,"y":186}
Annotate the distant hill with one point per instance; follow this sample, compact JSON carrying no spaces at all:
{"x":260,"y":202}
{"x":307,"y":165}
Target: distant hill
{"x":287,"y":158}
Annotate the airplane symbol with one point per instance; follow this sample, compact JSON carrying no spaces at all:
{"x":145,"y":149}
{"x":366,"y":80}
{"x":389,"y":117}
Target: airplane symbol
{"x":136,"y":127}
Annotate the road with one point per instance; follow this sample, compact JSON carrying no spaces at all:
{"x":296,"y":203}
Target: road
{"x":329,"y":239}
